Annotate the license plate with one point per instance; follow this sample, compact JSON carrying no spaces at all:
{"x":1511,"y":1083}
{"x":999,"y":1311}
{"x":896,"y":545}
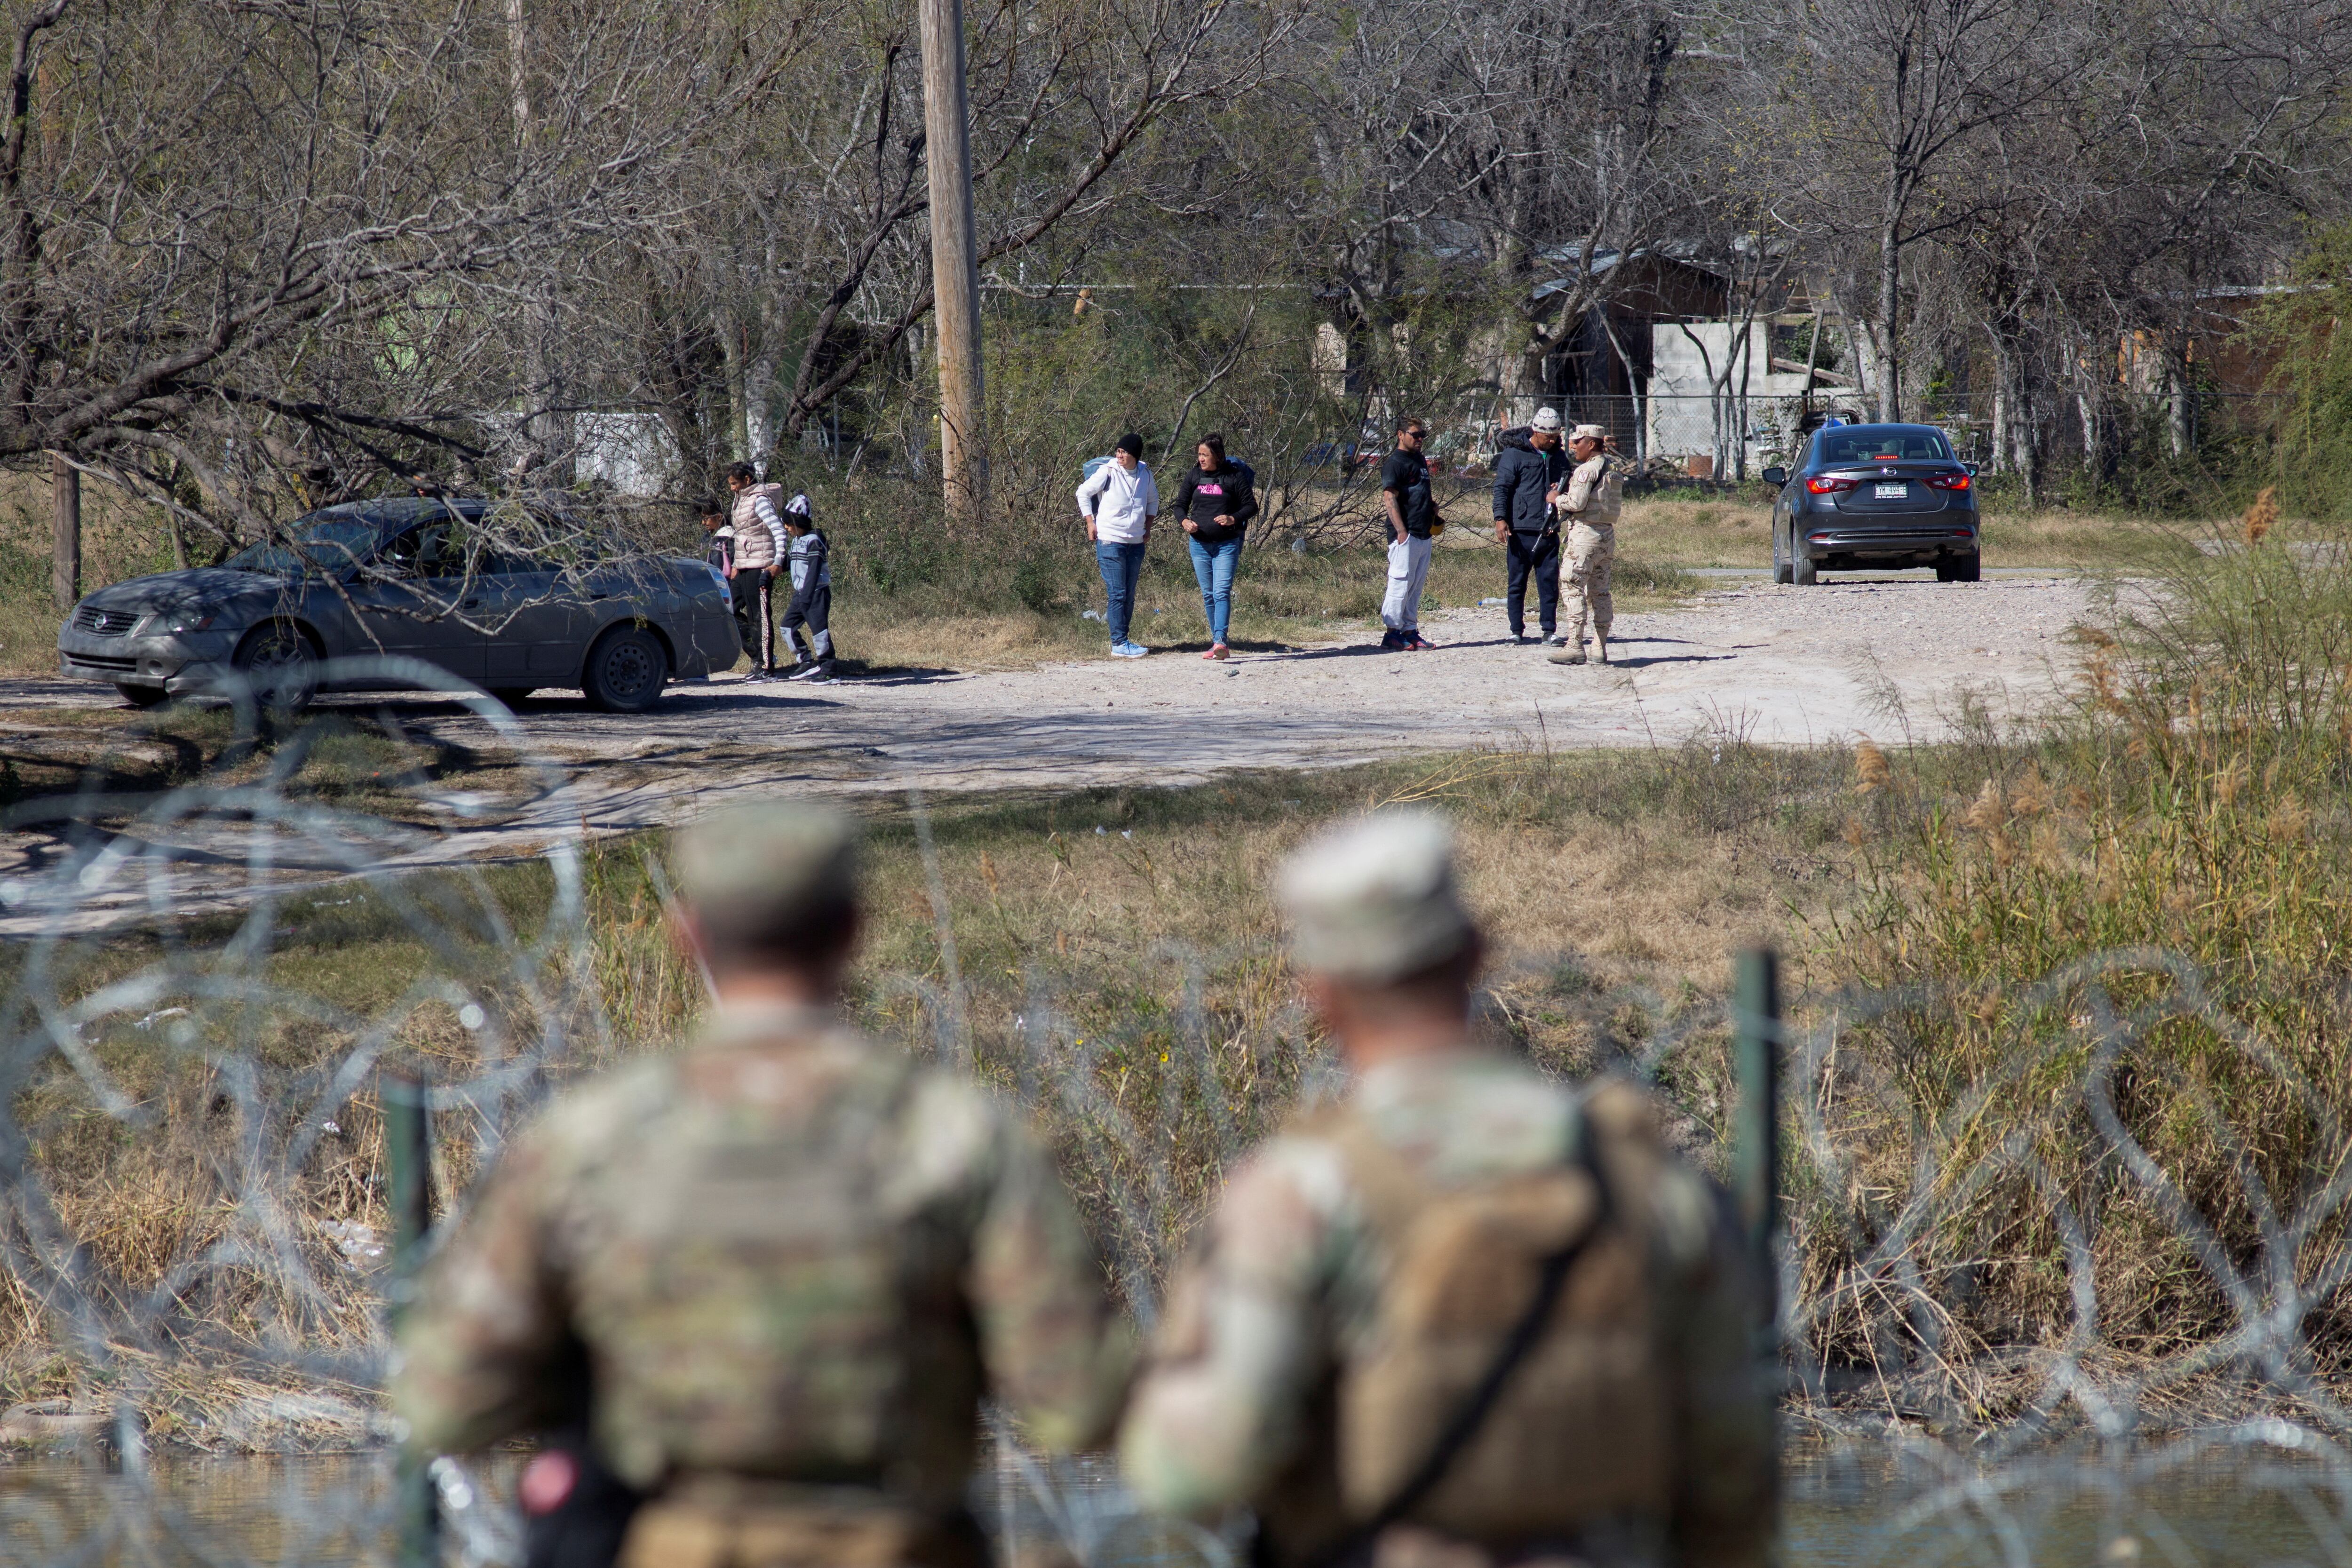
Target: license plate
{"x":1892,"y":492}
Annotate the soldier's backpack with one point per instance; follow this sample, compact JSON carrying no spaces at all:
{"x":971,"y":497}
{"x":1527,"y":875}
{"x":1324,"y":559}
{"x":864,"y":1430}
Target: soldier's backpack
{"x":1516,"y":1386}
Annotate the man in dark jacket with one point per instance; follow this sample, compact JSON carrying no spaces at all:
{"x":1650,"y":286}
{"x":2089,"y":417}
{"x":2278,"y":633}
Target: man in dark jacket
{"x":1527,"y":474}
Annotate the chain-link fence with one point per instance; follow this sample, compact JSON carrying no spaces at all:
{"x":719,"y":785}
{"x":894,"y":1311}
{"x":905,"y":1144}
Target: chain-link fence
{"x":207,"y":985}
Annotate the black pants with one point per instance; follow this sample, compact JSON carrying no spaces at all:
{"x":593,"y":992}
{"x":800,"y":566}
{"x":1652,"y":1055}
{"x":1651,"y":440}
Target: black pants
{"x":755,"y":614}
{"x":1538,"y":553}
{"x":814,"y":613}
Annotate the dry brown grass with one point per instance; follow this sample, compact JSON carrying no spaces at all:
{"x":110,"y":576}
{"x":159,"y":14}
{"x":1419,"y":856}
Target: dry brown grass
{"x":1015,"y":639}
{"x":1613,"y":885}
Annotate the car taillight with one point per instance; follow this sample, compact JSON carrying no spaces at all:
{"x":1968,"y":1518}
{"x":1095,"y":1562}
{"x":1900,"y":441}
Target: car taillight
{"x":1828,"y":485}
{"x":1949,"y":481}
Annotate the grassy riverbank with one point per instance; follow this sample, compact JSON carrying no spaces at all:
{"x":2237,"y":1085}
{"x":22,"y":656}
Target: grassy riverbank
{"x":1615,"y":883}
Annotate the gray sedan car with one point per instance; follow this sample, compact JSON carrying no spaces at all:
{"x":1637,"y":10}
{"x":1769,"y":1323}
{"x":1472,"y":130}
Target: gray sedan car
{"x":407,"y":578}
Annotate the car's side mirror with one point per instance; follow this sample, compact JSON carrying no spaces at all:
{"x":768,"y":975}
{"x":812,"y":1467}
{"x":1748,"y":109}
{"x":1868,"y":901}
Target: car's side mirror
{"x":1971,"y":467}
{"x":1775,"y":477}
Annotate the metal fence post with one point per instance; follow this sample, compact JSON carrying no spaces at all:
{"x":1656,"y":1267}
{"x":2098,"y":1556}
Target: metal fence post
{"x":408,"y":1162}
{"x":1755,"y":1144}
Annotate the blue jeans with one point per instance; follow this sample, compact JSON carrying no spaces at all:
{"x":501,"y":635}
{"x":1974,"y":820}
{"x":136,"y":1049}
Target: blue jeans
{"x":1213,"y":565}
{"x":1122,"y":565}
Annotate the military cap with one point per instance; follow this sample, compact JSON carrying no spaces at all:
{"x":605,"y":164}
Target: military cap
{"x":1588,"y":433}
{"x":1545,"y":419}
{"x":766,"y":864}
{"x":1373,"y":900}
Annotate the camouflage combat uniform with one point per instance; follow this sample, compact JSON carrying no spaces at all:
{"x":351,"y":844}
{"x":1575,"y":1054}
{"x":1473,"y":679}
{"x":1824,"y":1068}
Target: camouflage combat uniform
{"x":795,"y":1262}
{"x":1591,"y":502}
{"x":1257,"y":1367}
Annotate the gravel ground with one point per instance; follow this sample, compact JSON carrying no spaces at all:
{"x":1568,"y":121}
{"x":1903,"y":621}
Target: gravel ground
{"x":1888,"y":658}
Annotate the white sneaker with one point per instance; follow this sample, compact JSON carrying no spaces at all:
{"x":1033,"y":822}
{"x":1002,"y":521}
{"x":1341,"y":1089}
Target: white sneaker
{"x":1128,"y":650}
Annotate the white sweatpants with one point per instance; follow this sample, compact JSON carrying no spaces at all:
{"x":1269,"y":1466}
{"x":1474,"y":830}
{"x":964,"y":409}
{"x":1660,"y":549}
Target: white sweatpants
{"x":1407,"y":572}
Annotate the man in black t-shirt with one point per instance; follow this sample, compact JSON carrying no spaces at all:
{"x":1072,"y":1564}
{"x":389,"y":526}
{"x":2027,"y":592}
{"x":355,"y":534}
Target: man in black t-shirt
{"x":1412,"y":520}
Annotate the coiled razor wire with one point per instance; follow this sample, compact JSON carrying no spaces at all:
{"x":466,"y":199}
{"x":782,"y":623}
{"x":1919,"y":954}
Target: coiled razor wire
{"x":259,"y":1330}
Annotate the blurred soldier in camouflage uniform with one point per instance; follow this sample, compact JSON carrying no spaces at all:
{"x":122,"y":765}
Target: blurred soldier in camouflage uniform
{"x":1594,"y":496}
{"x":790,"y":1262}
{"x":1464,"y":1318}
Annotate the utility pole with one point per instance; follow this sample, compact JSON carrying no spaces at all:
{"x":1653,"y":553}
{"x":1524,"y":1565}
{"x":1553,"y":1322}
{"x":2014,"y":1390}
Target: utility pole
{"x":65,"y":542}
{"x":955,"y":263}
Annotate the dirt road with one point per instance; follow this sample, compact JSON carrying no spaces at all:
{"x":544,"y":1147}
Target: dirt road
{"x":1788,"y":666}
{"x":1783,"y":665}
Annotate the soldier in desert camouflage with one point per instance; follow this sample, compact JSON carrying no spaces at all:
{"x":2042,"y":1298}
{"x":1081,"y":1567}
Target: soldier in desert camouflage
{"x":787,"y":1264}
{"x":1594,"y":496}
{"x":1467,"y":1316}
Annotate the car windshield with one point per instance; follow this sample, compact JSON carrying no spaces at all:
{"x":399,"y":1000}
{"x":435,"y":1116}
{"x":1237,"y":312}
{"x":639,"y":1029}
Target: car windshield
{"x":329,"y":543}
{"x":1884,"y":446}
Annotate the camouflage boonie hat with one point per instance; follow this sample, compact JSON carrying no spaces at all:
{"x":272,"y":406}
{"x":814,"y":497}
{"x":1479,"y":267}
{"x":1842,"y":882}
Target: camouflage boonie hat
{"x":767,"y":863}
{"x":1373,"y":900}
{"x":1588,"y":433}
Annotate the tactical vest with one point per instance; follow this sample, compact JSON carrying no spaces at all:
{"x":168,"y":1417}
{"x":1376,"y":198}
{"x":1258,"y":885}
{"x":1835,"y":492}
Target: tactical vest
{"x":1607,"y":499}
{"x":755,"y":547}
{"x":1582,"y":1432}
{"x":754,"y":1305}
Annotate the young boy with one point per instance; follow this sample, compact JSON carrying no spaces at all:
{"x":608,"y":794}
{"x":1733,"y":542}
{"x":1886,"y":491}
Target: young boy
{"x":812,"y":607}
{"x":721,"y":555}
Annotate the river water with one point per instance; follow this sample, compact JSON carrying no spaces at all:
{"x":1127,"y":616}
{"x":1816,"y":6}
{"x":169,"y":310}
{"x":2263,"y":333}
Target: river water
{"x":1867,"y":1506}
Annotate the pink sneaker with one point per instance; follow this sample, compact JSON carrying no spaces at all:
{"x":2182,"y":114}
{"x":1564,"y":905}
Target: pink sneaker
{"x":1218,"y":650}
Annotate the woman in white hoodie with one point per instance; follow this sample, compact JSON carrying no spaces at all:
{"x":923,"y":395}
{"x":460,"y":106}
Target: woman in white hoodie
{"x":1120,"y":502}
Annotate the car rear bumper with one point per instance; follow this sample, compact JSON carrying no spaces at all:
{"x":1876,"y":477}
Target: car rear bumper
{"x":1921,"y":541}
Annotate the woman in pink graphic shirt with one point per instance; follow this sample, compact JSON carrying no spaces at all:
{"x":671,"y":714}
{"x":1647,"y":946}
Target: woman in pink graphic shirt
{"x":1216,"y":501}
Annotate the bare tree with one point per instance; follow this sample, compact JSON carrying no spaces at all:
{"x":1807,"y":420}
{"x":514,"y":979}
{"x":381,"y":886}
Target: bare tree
{"x":263,"y":248}
{"x":1882,"y":100}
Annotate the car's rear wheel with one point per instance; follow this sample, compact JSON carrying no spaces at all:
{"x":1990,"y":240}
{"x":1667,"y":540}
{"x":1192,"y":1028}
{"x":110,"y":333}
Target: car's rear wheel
{"x":1804,"y":570}
{"x":279,"y":666}
{"x":1780,"y":568}
{"x":1968,"y":568}
{"x":626,"y":671}
{"x":141,"y":696}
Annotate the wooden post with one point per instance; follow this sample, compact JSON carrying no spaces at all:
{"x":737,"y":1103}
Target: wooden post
{"x":955,"y":262}
{"x":408,"y":1180}
{"x":65,"y":544}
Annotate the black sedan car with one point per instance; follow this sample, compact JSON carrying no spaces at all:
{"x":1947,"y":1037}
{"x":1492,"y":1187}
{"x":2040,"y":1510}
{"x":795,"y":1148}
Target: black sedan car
{"x":416,"y":578}
{"x":1874,"y":498}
